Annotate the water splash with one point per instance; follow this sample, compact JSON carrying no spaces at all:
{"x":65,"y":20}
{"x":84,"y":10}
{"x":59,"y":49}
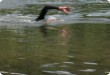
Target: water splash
{"x":59,"y":72}
{"x":18,"y":20}
{"x":3,"y":72}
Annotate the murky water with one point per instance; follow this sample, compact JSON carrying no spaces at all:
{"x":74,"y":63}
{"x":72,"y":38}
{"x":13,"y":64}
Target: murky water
{"x":77,"y":44}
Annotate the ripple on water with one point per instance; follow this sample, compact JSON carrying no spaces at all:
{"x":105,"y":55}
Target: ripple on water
{"x":13,"y":73}
{"x":50,"y":65}
{"x":106,"y":14}
{"x":68,"y":62}
{"x":59,"y":72}
{"x":108,"y":73}
{"x":64,"y":66}
{"x":88,"y":70}
{"x":19,"y":21}
{"x":21,"y":58}
{"x":70,"y":56}
{"x":3,"y":72}
{"x":17,"y":73}
{"x":90,"y":63}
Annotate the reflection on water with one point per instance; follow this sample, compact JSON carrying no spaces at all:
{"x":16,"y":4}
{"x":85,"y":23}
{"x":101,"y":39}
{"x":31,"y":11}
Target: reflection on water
{"x":43,"y":30}
{"x":77,"y":49}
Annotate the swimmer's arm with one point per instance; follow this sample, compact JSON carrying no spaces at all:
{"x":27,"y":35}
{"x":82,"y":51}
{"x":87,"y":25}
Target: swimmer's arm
{"x":48,"y":7}
{"x":44,"y":11}
{"x":51,"y":7}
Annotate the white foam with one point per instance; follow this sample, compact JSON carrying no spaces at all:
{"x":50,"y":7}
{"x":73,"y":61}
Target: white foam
{"x":88,"y":70}
{"x":18,"y":20}
{"x":68,"y":62}
{"x":59,"y":72}
{"x":90,"y":63}
{"x":3,"y":72}
{"x":0,"y":73}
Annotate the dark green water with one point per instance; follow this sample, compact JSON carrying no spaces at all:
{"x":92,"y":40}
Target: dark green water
{"x":81,"y":49}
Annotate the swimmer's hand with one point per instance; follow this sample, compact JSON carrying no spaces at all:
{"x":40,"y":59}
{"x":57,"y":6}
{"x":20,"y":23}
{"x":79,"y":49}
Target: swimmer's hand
{"x":65,"y":9}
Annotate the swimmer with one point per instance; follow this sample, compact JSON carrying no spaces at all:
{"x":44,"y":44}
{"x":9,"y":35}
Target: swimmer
{"x":44,"y":11}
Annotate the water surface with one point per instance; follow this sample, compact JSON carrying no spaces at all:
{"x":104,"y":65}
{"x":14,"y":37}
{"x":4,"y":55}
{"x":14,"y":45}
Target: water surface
{"x":77,"y":44}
